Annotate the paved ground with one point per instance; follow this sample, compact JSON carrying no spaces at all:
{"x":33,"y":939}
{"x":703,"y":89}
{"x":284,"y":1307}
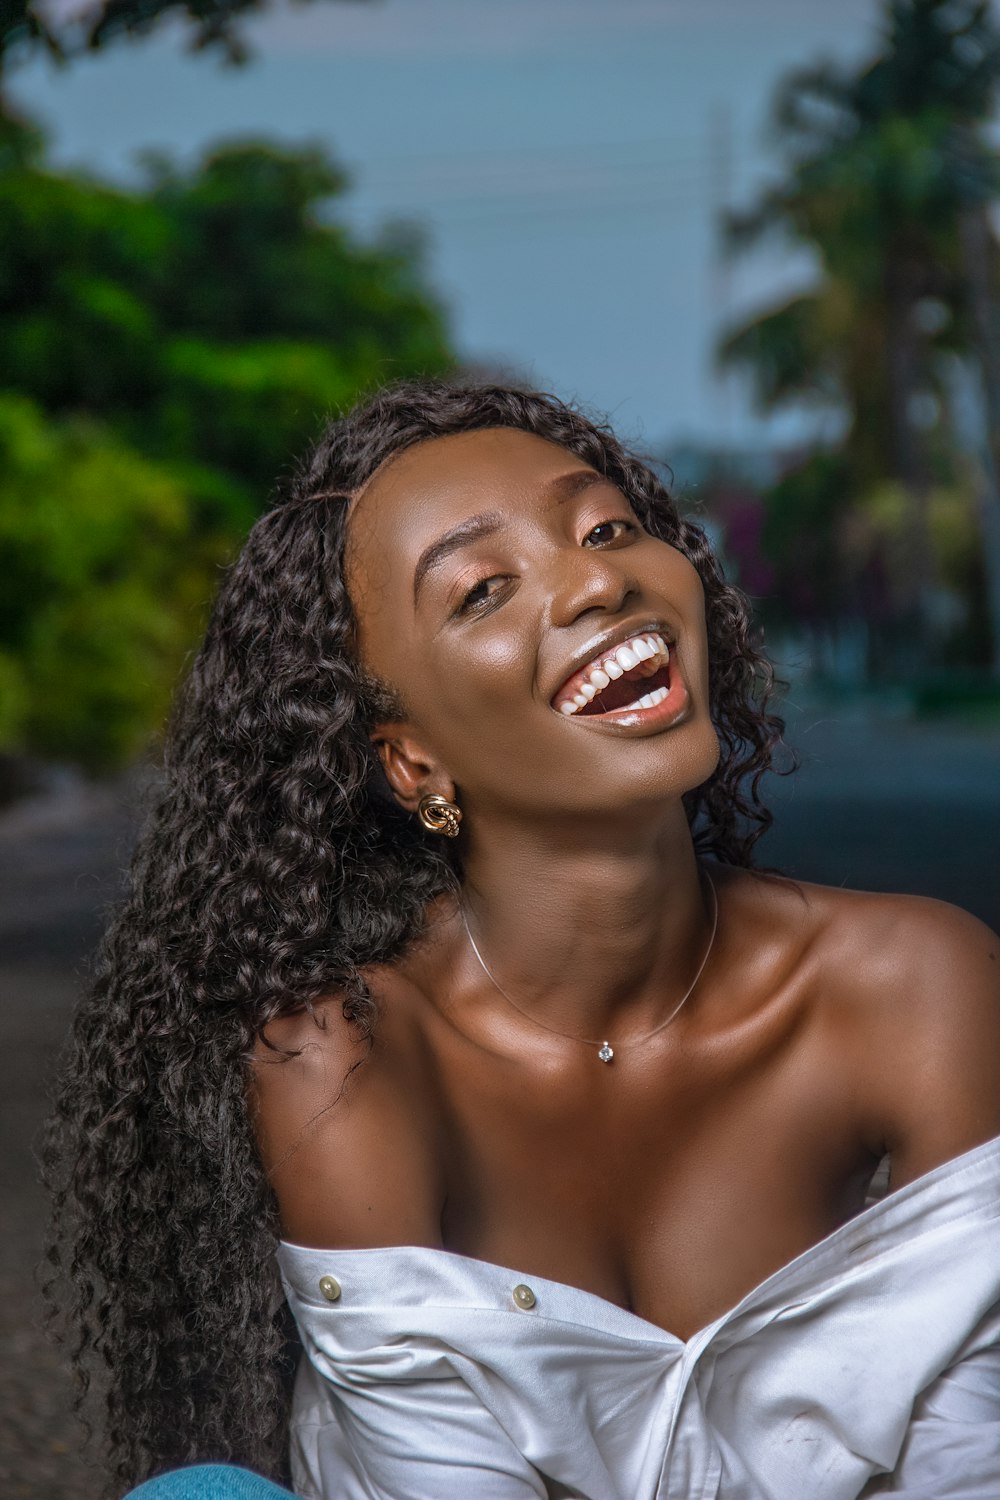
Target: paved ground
{"x":879,"y":805}
{"x":890,"y":805}
{"x":58,"y":856}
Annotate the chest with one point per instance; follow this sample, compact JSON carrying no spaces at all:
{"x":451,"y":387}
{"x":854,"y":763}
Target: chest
{"x":670,"y":1187}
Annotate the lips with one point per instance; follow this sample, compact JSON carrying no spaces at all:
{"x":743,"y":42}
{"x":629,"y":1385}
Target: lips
{"x":632,"y":675}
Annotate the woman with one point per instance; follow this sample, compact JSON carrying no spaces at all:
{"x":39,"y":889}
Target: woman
{"x":444,"y":965}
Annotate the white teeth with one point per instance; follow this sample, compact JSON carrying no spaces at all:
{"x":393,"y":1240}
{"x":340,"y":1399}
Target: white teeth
{"x":648,"y":700}
{"x":640,"y":648}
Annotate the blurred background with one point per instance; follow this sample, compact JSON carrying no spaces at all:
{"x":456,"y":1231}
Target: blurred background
{"x":760,"y":235}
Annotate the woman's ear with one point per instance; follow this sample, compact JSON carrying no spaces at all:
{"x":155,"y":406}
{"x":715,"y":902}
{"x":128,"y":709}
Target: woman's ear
{"x":410,"y":769}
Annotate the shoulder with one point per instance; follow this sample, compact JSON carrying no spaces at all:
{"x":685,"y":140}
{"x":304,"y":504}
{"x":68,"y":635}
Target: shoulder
{"x":915,"y":983}
{"x":902,"y":998}
{"x":347,"y":1130}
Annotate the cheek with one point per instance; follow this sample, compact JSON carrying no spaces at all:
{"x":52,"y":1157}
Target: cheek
{"x":480,"y":676}
{"x":690,"y":591}
{"x":479,"y":702}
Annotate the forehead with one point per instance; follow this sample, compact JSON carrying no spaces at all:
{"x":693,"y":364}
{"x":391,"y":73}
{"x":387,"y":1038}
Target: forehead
{"x":443,"y":481}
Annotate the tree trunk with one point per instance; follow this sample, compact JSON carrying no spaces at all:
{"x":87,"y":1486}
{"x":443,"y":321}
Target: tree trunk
{"x":909,"y":461}
{"x":977,"y":252}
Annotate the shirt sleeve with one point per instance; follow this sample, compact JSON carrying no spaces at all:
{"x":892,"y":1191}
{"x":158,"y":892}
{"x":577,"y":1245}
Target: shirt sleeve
{"x":952,"y":1446}
{"x":403,"y":1440}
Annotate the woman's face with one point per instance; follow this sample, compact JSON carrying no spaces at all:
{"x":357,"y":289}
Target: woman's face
{"x":496,"y":579}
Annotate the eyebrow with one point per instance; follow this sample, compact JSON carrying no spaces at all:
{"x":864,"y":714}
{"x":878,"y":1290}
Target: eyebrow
{"x":489,"y":522}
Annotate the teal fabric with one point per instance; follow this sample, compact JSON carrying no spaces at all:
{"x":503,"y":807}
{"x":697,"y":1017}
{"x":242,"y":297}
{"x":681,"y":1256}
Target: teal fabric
{"x":209,"y":1482}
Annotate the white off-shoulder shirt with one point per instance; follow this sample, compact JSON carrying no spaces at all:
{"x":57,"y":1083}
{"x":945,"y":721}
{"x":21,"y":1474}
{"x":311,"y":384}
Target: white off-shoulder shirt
{"x":869,"y":1365}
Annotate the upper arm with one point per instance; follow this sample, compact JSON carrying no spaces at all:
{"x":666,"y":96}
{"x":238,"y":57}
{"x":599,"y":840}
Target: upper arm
{"x":346,"y":1134}
{"x":935,"y":1034}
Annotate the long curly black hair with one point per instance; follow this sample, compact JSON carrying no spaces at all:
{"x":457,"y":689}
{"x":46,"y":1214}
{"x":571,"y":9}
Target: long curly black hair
{"x":272,"y":870}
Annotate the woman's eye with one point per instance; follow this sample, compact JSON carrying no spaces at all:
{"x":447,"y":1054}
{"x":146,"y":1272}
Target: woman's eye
{"x":607,"y":531}
{"x":482,"y":592}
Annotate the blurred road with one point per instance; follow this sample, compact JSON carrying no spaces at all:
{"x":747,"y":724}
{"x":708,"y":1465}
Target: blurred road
{"x":877,"y":804}
{"x":888,"y":805}
{"x":58,"y":858}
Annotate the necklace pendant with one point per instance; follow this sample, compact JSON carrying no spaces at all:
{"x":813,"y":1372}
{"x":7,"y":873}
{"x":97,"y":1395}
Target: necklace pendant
{"x":606,"y":1053}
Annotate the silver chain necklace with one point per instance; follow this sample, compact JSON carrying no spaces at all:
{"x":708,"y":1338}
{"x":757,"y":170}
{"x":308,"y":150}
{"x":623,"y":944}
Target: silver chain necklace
{"x":605,"y":1051}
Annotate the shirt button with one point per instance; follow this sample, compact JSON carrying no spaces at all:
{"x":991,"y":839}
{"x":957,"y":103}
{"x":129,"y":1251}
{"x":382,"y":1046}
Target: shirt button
{"x":524,"y":1297}
{"x":330,"y":1287}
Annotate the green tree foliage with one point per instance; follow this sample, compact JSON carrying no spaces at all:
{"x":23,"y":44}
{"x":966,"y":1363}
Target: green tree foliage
{"x":213,"y":317}
{"x":101,"y":574}
{"x":879,"y":167}
{"x":168,"y":353}
{"x":65,"y":32}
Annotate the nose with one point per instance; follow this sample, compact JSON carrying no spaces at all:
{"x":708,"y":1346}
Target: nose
{"x":590,"y":580}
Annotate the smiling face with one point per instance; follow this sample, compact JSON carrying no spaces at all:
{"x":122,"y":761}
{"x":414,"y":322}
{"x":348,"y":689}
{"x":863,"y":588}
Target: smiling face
{"x":550,"y":654}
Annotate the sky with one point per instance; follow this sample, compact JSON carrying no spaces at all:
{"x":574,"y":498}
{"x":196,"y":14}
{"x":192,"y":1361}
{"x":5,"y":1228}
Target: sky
{"x":567,"y":161}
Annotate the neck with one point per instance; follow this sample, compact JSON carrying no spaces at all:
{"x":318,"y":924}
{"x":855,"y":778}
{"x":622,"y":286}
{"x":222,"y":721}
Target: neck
{"x":589,"y":936}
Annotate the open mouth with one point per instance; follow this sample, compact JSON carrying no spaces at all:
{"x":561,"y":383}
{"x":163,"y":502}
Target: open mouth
{"x":630,"y":677}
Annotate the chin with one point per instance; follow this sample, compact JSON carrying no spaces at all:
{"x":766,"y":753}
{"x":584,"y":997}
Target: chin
{"x":693,"y":758}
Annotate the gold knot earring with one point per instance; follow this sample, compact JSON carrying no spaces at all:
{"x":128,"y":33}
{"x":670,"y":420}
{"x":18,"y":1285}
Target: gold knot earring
{"x":438,"y":815}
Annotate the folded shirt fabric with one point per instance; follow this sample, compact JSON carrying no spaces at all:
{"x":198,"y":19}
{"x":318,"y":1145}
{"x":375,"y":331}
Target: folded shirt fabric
{"x":868,"y":1366}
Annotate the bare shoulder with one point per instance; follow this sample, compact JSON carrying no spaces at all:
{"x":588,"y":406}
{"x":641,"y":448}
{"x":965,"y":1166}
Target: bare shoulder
{"x":347,"y":1131}
{"x":916,"y":984}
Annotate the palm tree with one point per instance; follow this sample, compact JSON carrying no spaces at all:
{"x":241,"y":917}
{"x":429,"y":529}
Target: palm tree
{"x":887,"y":178}
{"x":68,"y":32}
